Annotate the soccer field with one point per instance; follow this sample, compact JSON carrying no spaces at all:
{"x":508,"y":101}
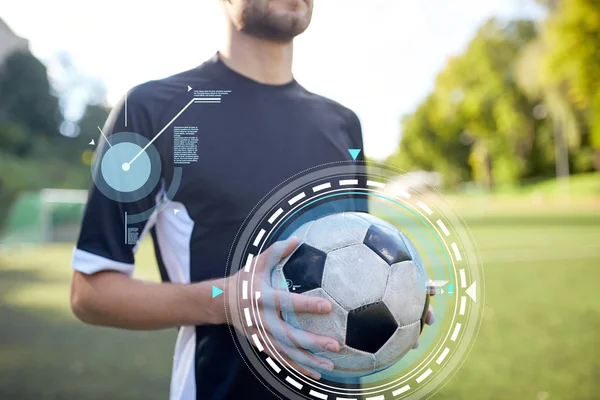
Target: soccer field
{"x":540,"y":338}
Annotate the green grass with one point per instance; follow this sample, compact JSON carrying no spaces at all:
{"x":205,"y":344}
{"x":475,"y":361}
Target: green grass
{"x":576,"y":185}
{"x":45,"y":353}
{"x":539,"y":339}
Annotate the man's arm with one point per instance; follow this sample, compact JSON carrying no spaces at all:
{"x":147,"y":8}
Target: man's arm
{"x":111,"y":298}
{"x":102,"y":291}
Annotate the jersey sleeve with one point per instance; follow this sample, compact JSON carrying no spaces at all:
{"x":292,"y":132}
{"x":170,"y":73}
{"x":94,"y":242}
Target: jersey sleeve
{"x":103,"y":242}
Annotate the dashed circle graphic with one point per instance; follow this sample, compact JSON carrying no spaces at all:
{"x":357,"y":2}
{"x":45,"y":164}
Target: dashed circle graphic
{"x":465,"y":288}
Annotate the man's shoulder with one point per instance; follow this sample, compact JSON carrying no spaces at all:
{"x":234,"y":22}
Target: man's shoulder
{"x":157,"y":93}
{"x":327,"y":103}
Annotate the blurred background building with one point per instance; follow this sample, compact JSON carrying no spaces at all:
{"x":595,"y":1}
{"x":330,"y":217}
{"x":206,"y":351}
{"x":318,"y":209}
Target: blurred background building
{"x":10,"y":42}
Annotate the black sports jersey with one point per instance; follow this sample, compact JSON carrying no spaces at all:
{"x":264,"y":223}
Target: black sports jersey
{"x":234,"y":152}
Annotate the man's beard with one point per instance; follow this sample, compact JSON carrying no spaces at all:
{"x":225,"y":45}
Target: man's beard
{"x":264,"y":24}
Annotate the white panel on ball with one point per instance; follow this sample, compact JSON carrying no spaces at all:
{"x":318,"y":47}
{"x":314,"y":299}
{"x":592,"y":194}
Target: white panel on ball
{"x":398,"y":345}
{"x":335,"y":231}
{"x":372,"y":220}
{"x":405,"y":294}
{"x":301,"y":232}
{"x":332,"y":325}
{"x":349,"y":362}
{"x":414,"y":253}
{"x":355,"y":276}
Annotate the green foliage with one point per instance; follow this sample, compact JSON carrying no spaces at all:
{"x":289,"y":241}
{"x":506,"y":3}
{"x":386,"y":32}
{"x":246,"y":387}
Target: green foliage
{"x":33,"y":153}
{"x":573,"y":63}
{"x":71,"y":149}
{"x":477,"y":122}
{"x":518,"y":92}
{"x":573,"y":34}
{"x":26,"y":94}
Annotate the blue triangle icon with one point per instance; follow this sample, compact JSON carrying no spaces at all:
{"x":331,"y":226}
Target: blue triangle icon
{"x":354,"y":153}
{"x":216,"y":291}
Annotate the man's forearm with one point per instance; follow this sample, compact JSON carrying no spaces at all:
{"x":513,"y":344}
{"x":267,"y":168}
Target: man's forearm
{"x":113,"y":299}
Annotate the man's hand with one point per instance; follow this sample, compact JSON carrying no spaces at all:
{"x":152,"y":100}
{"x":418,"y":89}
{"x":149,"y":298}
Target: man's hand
{"x":430,"y":318}
{"x":290,"y":343}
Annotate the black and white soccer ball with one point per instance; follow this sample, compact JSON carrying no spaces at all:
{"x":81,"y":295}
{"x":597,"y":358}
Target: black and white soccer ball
{"x":376,"y":281}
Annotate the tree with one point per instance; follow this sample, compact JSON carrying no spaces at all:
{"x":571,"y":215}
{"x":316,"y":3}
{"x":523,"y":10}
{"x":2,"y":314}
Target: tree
{"x":77,"y":151}
{"x":430,"y":143}
{"x":27,"y":97}
{"x":477,"y":122}
{"x":572,"y":62}
{"x":33,"y":153}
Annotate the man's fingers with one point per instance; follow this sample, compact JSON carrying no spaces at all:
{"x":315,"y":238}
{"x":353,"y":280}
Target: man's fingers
{"x":307,"y":359}
{"x":292,"y":243}
{"x":304,"y":370}
{"x":287,"y":335}
{"x":430,"y":318}
{"x":294,"y":302}
{"x":275,"y":253}
{"x":284,"y":301}
{"x":432,"y":289}
{"x":293,"y":357}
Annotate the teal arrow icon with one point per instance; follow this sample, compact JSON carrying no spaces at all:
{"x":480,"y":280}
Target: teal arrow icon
{"x":216,"y":291}
{"x":354,"y":153}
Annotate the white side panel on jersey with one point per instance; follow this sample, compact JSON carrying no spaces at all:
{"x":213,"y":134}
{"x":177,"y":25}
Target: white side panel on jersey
{"x":173,"y":234}
{"x":89,"y":263}
{"x":183,"y":376}
{"x":174,"y":231}
{"x":151,"y":221}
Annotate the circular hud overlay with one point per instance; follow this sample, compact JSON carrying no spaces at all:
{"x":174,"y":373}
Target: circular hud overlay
{"x":444,"y":242}
{"x":128,"y":168}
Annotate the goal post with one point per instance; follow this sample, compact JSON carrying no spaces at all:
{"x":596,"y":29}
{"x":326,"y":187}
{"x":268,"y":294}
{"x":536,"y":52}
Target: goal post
{"x":45,"y":216}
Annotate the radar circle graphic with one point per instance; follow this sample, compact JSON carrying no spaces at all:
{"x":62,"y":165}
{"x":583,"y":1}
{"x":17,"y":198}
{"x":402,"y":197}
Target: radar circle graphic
{"x":450,"y":257}
{"x":127,"y":168}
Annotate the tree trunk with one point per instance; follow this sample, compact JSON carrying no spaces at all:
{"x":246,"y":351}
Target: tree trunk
{"x":596,"y":159}
{"x":488,"y":169}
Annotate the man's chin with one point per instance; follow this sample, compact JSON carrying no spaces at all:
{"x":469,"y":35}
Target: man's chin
{"x":290,"y":10}
{"x":291,"y":5}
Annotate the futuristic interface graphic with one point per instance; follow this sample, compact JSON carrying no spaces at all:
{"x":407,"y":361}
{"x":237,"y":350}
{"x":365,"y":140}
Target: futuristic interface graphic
{"x":119,"y":178}
{"x":128,"y":168}
{"x":442,"y":239}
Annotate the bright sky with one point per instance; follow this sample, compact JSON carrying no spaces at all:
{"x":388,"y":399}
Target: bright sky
{"x":378,"y":57}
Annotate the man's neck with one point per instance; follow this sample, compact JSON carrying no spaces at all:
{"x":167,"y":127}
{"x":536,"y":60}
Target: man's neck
{"x":258,"y":59}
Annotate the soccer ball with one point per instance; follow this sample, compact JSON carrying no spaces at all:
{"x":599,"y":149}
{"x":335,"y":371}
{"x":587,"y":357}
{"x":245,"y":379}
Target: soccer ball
{"x":376,"y":281}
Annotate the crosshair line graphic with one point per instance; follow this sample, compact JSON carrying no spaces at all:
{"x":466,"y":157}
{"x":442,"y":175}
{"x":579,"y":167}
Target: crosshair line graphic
{"x":105,"y":138}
